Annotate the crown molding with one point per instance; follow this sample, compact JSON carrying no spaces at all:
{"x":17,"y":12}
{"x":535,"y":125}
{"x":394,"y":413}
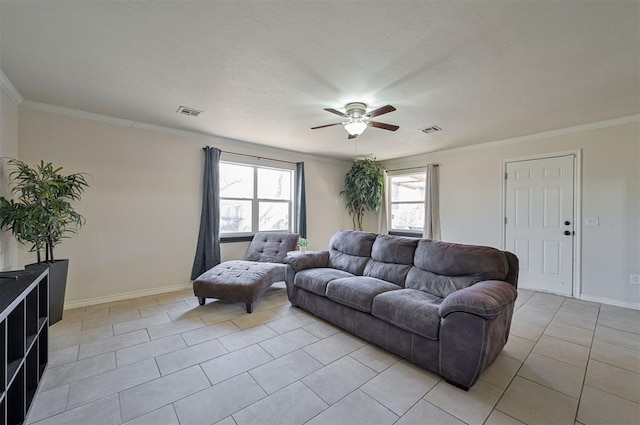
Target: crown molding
{"x":521,"y":139}
{"x":269,"y":150}
{"x":10,"y":89}
{"x":61,"y":110}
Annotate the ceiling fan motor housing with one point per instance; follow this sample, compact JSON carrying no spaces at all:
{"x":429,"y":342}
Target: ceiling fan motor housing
{"x":356,"y":110}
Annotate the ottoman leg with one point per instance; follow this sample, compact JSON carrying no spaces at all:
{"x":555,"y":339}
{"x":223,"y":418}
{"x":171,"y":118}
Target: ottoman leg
{"x":201,"y":300}
{"x":249,"y":307}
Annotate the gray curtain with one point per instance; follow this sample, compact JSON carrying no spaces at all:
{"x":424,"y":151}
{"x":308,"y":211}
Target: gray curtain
{"x":383,"y":219}
{"x":208,"y":249}
{"x":301,"y":201}
{"x":432,"y":205}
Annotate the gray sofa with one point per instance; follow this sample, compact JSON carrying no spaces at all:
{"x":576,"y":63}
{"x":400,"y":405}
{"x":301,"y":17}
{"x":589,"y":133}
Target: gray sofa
{"x":445,"y":307}
{"x":246,"y":280}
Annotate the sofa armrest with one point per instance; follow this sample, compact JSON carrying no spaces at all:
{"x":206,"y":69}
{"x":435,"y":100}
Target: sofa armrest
{"x":486,"y":299}
{"x":308,"y":260}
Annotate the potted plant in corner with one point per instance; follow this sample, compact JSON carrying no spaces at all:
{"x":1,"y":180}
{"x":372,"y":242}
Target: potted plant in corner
{"x":41,"y":215}
{"x":363,"y":189}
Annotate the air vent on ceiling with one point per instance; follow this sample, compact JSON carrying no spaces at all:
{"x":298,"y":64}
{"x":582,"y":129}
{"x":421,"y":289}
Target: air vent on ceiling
{"x":431,"y":129}
{"x":191,"y":112}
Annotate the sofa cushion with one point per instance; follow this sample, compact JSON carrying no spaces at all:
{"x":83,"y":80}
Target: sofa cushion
{"x":394,"y":249}
{"x":391,"y":258}
{"x":442,"y":268}
{"x":409,"y":309}
{"x":315,"y":280}
{"x":394,"y":273}
{"x":358,"y":292}
{"x":350,"y":250}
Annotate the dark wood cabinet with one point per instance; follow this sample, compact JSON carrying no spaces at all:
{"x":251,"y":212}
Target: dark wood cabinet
{"x":24,"y":311}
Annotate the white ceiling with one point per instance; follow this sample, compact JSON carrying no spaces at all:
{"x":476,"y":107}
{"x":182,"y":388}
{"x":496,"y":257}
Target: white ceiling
{"x":263,"y":70}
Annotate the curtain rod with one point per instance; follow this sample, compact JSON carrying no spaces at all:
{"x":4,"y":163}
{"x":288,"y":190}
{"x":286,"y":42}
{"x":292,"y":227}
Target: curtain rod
{"x":255,"y":156}
{"x":413,"y":168}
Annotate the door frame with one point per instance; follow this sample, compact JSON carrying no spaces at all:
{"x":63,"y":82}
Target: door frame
{"x":577,"y":208}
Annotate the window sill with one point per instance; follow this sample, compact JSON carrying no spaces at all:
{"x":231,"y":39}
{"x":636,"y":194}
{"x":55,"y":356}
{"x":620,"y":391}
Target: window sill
{"x":408,"y":234}
{"x":232,"y":239}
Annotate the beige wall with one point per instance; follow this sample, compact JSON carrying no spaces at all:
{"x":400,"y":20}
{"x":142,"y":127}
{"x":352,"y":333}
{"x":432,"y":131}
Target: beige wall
{"x":325,"y":209}
{"x":143,"y":204}
{"x":8,"y":148}
{"x":470,"y":200}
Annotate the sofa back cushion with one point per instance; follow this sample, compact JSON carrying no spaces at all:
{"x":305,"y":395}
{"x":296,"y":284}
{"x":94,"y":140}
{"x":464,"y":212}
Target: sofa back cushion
{"x":441,"y":268}
{"x":271,"y":247}
{"x":391,"y":258}
{"x":350,"y":251}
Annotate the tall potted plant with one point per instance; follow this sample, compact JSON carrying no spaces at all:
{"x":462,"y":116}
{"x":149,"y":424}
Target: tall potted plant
{"x":363,"y":189}
{"x":41,"y":215}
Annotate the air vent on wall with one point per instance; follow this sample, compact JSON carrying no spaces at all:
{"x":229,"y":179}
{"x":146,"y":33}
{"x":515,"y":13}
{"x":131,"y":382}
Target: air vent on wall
{"x":191,"y":112}
{"x":431,"y":129}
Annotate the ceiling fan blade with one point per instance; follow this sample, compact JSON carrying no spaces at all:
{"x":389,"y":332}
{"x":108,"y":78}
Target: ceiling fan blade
{"x":383,"y":126}
{"x":335,"y":111}
{"x":380,"y":111}
{"x":326,"y":125}
{"x":352,"y":136}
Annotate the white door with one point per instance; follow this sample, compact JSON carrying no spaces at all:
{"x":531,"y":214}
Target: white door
{"x":539,"y":225}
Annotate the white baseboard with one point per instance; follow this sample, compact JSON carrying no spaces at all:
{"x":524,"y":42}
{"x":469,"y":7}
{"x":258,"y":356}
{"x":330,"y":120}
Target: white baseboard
{"x":592,"y":298}
{"x":126,"y":295}
{"x":610,"y":301}
{"x":155,"y":291}
{"x":544,"y":291}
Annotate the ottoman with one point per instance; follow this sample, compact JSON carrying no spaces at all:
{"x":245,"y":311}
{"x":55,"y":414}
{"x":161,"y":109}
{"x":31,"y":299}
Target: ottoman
{"x":246,"y":280}
{"x":239,"y":281}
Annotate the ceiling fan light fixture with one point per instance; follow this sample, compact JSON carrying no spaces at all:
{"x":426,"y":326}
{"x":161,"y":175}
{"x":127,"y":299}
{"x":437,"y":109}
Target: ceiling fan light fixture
{"x":357,"y":119}
{"x":355,"y":128}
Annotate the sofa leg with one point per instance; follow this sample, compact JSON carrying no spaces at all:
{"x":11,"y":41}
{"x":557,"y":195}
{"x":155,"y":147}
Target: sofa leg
{"x":462,"y":387}
{"x":201,"y":300}
{"x":249,"y":307}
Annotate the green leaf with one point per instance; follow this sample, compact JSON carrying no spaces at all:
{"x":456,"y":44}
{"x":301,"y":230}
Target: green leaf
{"x":41,"y":212}
{"x":363,"y":188}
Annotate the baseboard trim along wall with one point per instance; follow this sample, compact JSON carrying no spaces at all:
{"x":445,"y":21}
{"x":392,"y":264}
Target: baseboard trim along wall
{"x":173,"y":288}
{"x":593,"y":298}
{"x":127,"y":295}
{"x":617,"y":303}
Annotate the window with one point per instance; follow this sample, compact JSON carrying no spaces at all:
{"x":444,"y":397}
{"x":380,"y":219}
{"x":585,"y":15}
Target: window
{"x":407,"y":194}
{"x":254,"y":199}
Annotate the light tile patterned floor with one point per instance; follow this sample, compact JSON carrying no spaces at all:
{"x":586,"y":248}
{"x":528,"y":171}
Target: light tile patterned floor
{"x":166,"y":360}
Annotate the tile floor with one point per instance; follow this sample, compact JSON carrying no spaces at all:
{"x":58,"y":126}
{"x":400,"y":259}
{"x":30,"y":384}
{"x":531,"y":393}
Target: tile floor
{"x":166,"y":360}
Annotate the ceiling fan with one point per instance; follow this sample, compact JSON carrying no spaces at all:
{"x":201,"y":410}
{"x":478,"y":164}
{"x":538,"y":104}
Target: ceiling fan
{"x":358,"y":119}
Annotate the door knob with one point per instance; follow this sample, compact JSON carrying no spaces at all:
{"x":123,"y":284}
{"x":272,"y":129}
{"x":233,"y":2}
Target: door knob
{"x":566,"y":223}
{"x":568,"y":233}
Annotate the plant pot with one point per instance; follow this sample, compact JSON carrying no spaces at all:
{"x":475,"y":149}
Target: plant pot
{"x":57,"y":286}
